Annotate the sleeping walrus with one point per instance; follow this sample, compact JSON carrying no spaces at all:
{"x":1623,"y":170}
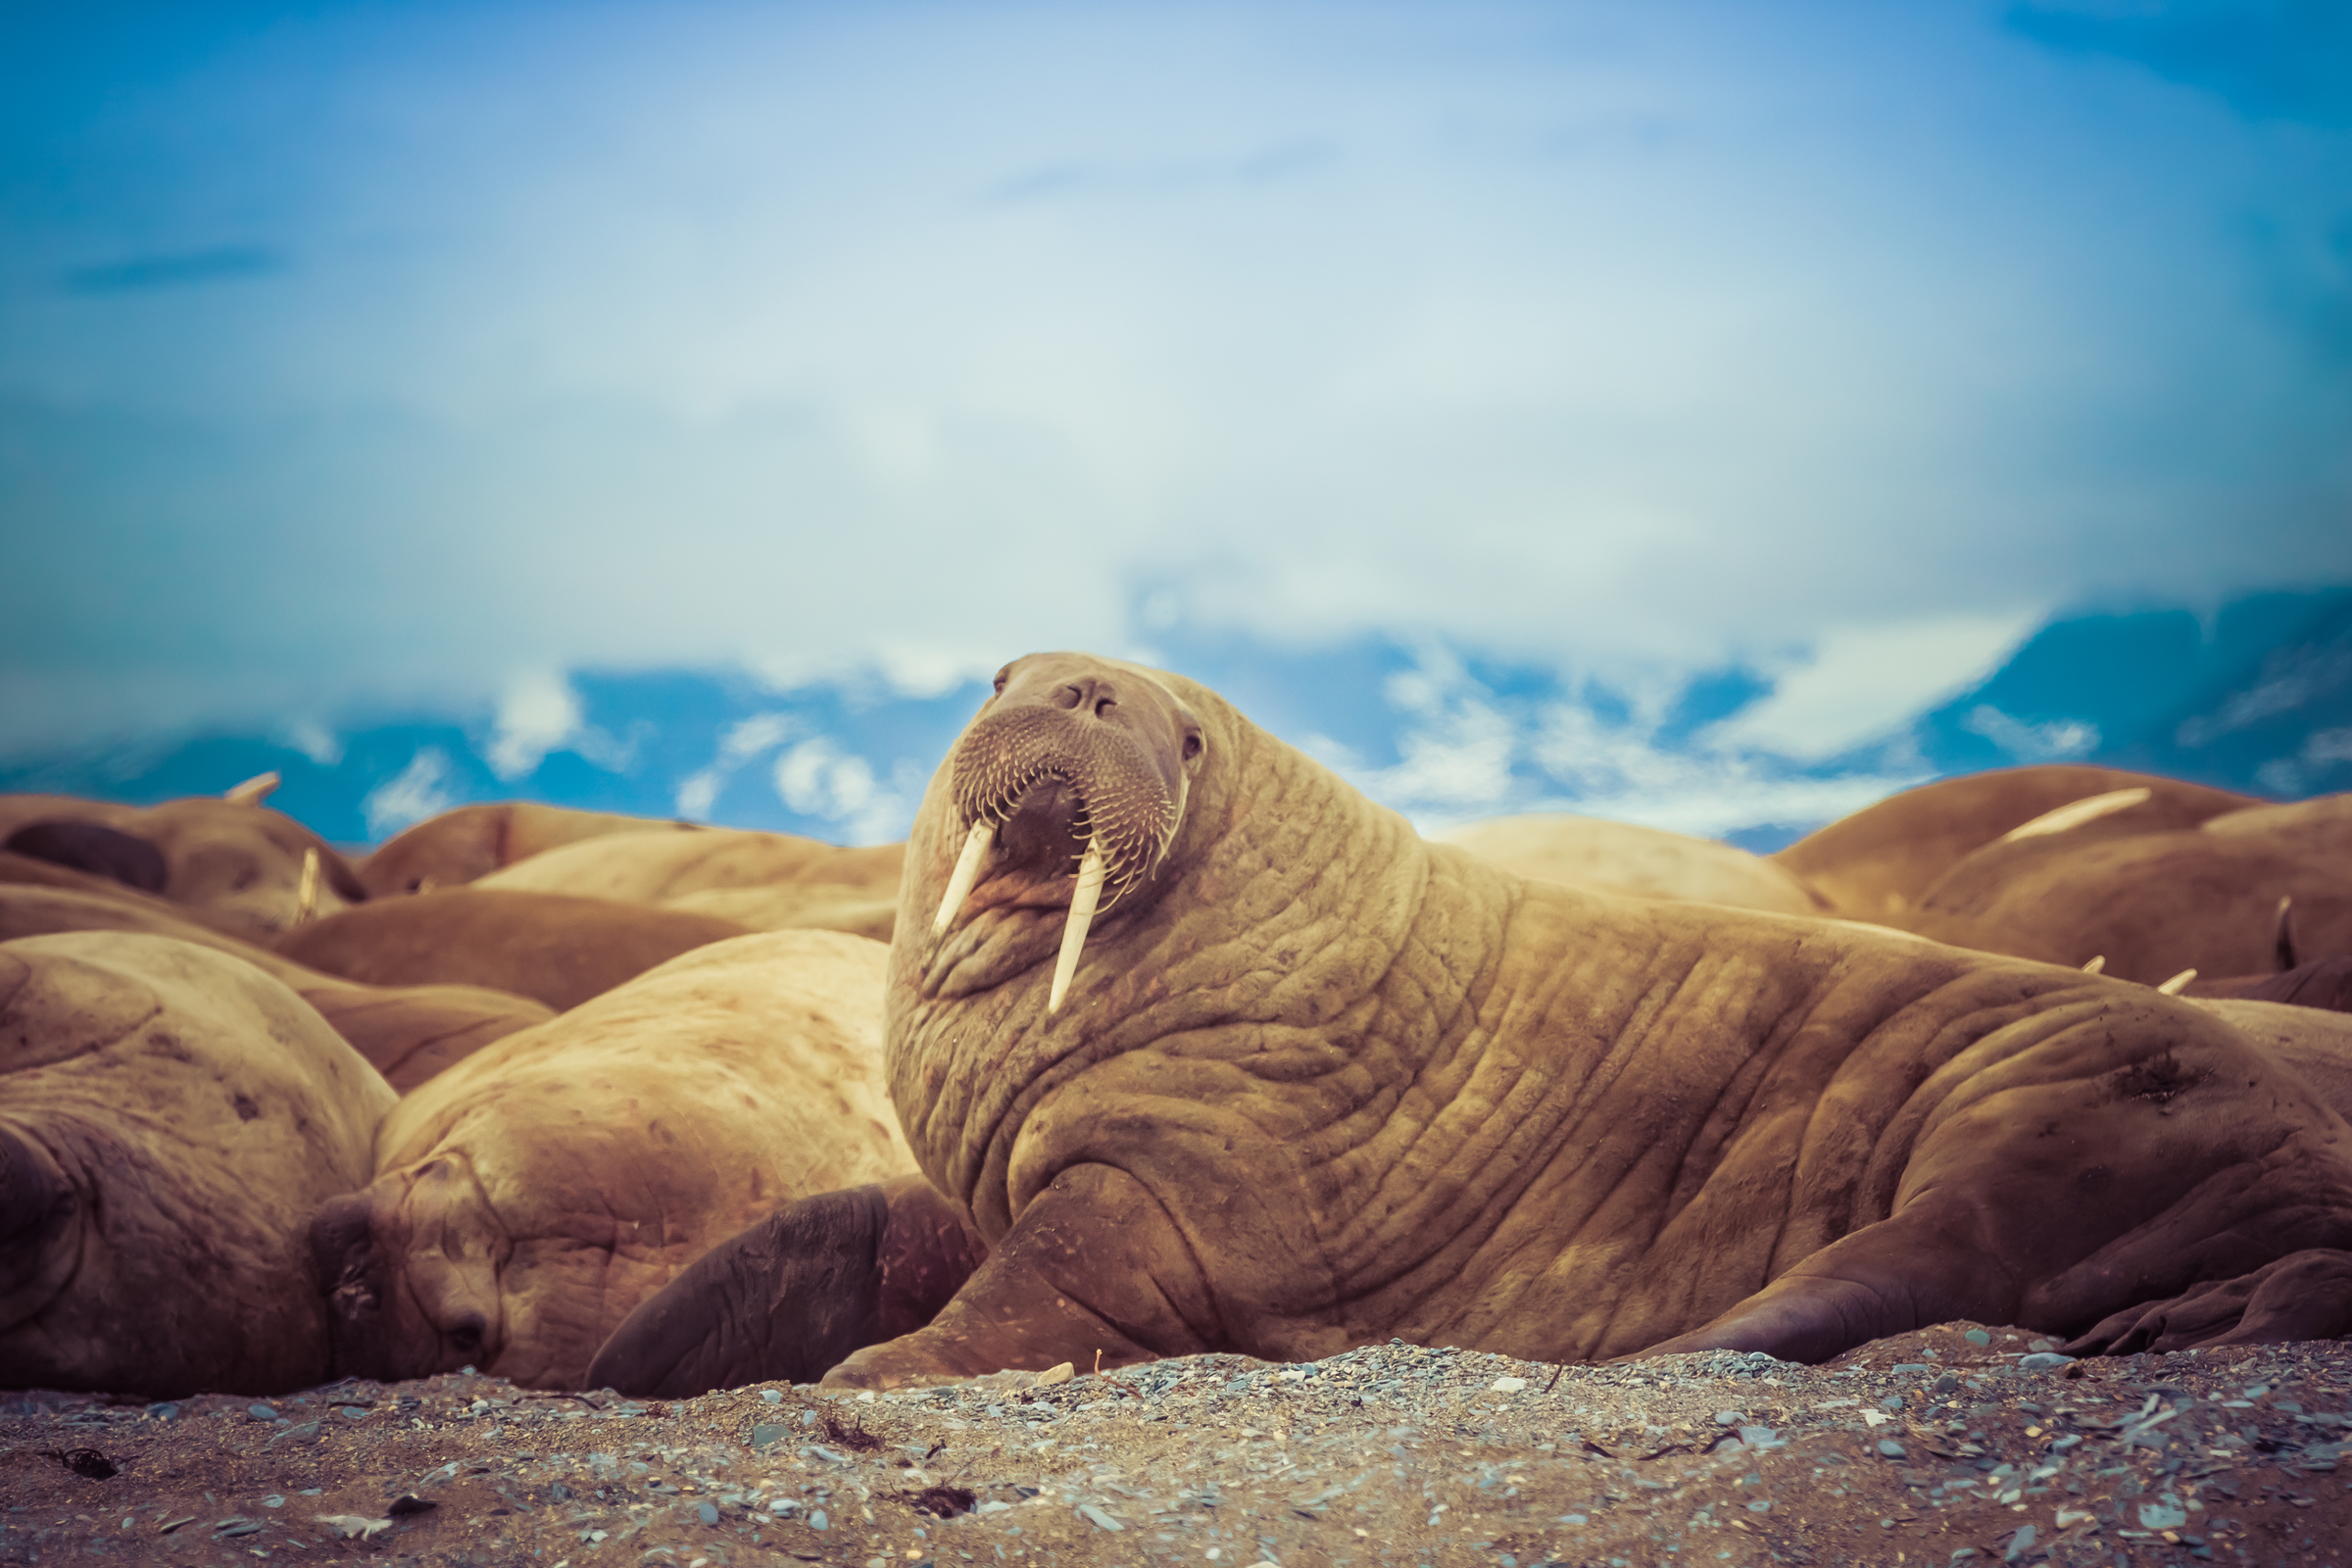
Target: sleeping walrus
{"x":1217,"y":1054}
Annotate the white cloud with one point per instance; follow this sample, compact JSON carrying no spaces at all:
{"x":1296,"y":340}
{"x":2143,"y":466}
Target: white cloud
{"x":2053,"y":742}
{"x":817,"y":778}
{"x":419,"y":791}
{"x":743,"y":740}
{"x":315,"y":742}
{"x":536,"y":713}
{"x":1860,"y":682}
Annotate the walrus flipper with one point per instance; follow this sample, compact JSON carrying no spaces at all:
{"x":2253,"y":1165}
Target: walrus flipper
{"x":2304,"y":1295}
{"x":1094,"y":1268}
{"x":791,"y":1296}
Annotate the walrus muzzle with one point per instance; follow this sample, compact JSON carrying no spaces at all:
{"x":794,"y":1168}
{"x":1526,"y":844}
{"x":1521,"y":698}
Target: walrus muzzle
{"x":1075,"y":769}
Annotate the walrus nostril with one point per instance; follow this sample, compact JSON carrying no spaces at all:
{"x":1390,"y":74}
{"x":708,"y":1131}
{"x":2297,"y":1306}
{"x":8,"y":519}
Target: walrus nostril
{"x":466,"y":1334}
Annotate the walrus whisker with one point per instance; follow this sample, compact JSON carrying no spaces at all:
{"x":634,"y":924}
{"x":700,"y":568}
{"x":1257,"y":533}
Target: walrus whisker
{"x":306,"y":892}
{"x":2177,"y":984}
{"x":966,"y":874}
{"x":1073,"y":935}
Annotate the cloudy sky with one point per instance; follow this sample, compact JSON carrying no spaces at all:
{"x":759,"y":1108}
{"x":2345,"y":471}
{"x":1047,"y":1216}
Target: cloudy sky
{"x":363,"y":355}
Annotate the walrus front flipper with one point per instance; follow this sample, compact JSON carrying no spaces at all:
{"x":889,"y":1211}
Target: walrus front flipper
{"x":788,"y":1298}
{"x":2304,"y":1295}
{"x":1093,"y":1267}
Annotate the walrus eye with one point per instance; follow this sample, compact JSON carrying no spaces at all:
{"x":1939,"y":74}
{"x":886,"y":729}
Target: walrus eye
{"x":1000,"y":676}
{"x":1191,"y":747}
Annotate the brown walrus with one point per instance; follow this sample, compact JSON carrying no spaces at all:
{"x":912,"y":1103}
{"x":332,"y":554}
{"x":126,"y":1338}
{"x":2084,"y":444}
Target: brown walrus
{"x":527,"y":1198}
{"x":1217,"y":1054}
{"x":468,"y":842}
{"x":170,"y":1117}
{"x":558,"y":948}
{"x":767,"y":881}
{"x":1590,"y":851}
{"x":1881,"y":858}
{"x":406,"y":1033}
{"x":234,"y":864}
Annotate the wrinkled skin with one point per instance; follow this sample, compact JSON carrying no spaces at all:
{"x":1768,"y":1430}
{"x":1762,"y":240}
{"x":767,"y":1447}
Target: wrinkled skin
{"x":1319,"y":1083}
{"x":168,"y":1118}
{"x":2151,"y":903}
{"x":1590,"y":851}
{"x":406,"y":1033}
{"x":233,"y":865}
{"x":767,"y":881}
{"x":549,"y":946}
{"x":1880,"y":859}
{"x":527,"y":1198}
{"x":473,"y":841}
{"x":793,"y":1295}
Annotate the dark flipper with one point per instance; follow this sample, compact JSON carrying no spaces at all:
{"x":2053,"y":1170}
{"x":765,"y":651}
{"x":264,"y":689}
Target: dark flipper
{"x":1093,"y":1267}
{"x":2304,"y":1295}
{"x":795,"y":1294}
{"x":101,"y":851}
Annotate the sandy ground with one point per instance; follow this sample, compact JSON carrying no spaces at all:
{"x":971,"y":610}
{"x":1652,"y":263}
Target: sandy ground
{"x":1954,"y":1445}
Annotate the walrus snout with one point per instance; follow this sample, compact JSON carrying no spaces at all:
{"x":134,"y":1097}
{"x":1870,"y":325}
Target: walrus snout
{"x":1068,"y":736}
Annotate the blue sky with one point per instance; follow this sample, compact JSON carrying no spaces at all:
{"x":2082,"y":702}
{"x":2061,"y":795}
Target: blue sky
{"x":367,"y":361}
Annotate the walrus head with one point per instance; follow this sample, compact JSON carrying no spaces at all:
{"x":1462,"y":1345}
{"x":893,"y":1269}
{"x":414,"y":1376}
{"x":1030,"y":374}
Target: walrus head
{"x":1073,"y":778}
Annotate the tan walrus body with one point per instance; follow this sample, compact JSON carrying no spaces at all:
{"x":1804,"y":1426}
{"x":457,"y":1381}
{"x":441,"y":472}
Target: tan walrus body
{"x":170,"y":1117}
{"x":529,"y":1196}
{"x":1313,"y":1082}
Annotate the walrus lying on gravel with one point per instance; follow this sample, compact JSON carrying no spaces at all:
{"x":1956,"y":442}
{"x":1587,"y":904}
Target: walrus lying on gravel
{"x":234,"y":864}
{"x":473,"y":841}
{"x":1268,"y":1073}
{"x":1590,"y":851}
{"x":767,"y":881}
{"x":532,"y":1196}
{"x":559,"y":950}
{"x":170,"y":1117}
{"x":1881,"y":858}
{"x":406,"y":1033}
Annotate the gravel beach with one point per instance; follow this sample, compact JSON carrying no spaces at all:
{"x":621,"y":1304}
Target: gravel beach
{"x":1957,"y":1443}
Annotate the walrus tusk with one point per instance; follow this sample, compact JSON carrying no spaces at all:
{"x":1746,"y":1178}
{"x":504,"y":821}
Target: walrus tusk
{"x":1082,"y":915}
{"x":306,"y":892}
{"x":254,"y":790}
{"x":2177,"y":984}
{"x":2074,"y":813}
{"x":966,"y":875}
{"x":2282,"y":935}
{"x":2098,"y":962}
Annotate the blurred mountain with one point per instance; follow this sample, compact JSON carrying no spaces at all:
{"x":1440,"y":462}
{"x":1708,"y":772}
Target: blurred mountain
{"x":2255,"y":696}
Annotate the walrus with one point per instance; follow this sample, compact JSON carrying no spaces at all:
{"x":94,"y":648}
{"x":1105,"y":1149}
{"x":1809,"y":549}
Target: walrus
{"x":766,"y":881}
{"x":406,"y":1033}
{"x":1878,"y":860}
{"x":1625,"y":857}
{"x":1216,"y":1054}
{"x":170,"y":1118}
{"x":527,"y":1198}
{"x":557,"y":949}
{"x":467,"y":842}
{"x":2153,"y":903}
{"x":236,"y":865}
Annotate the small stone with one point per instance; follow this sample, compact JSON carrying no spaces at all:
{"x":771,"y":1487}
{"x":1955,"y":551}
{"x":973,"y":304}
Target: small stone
{"x":1098,"y":1518}
{"x":768,"y":1434}
{"x":817,"y":1520}
{"x":1055,"y":1374}
{"x":709,"y":1513}
{"x":1890,"y":1449}
{"x":2043,"y":1361}
{"x":772,"y":1395}
{"x":1977,"y":1337}
{"x":1509,"y":1385}
{"x":1729,"y":1418}
{"x":2019,"y":1543}
{"x":262,"y":1413}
